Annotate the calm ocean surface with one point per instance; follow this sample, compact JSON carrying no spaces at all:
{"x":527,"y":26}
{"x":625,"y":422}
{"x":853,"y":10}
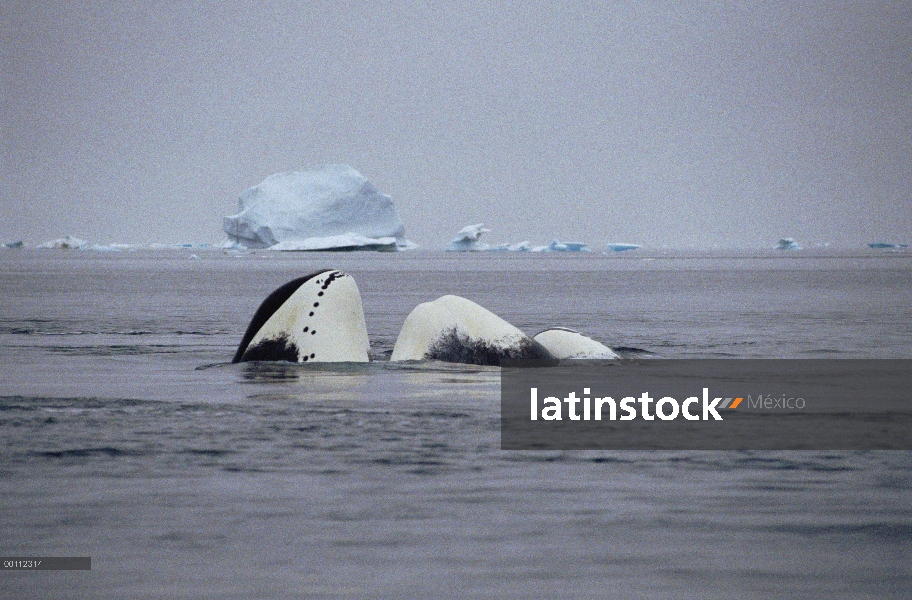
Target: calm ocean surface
{"x":127,"y":437}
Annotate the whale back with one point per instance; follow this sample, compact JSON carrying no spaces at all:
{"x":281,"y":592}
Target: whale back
{"x":566,"y":343}
{"x":454,"y":329}
{"x":315,"y":318}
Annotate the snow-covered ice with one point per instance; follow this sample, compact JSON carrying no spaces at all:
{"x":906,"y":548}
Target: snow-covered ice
{"x":620,"y":247}
{"x":886,"y":245}
{"x":67,"y":243}
{"x":787,"y":244}
{"x":556,"y":246}
{"x":298,"y":208}
{"x":466,"y":239}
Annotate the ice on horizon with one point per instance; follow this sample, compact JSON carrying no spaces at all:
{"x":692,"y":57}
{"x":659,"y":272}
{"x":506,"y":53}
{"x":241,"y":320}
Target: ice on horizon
{"x":467,"y":240}
{"x":621,"y":247}
{"x":325,"y":207}
{"x":787,"y":244}
{"x":67,"y":243}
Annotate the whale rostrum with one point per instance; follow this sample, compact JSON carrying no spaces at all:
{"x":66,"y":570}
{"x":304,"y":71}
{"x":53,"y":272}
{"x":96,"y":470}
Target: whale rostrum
{"x":316,"y":318}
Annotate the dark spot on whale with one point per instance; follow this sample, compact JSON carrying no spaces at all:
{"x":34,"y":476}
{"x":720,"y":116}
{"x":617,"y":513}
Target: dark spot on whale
{"x":456,"y":348}
{"x":270,"y":305}
{"x":311,"y":314}
{"x":319,"y":293}
{"x":280,"y":348}
{"x":332,"y":276}
{"x":305,"y":358}
{"x":312,"y":355}
{"x":316,"y":304}
{"x":314,"y":332}
{"x":305,"y":329}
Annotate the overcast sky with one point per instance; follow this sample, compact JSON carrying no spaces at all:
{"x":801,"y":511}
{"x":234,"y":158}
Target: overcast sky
{"x":701,"y":123}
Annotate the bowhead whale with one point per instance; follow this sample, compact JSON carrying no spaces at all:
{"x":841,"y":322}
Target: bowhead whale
{"x":564,"y":343}
{"x":316,"y":318}
{"x":319,"y":318}
{"x":454,"y":329}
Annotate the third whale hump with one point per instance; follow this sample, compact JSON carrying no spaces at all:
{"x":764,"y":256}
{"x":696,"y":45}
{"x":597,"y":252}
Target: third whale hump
{"x":566,"y":343}
{"x":454,"y":329}
{"x":316,"y":318}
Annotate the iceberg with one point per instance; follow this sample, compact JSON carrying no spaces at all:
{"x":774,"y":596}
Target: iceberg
{"x":616,"y":247}
{"x":67,"y":243}
{"x":556,"y":246}
{"x":467,"y":239}
{"x":520,"y":247}
{"x":886,"y":245}
{"x":316,"y":209}
{"x":16,"y":244}
{"x":523,"y":246}
{"x":103,"y":248}
{"x":787,"y":244}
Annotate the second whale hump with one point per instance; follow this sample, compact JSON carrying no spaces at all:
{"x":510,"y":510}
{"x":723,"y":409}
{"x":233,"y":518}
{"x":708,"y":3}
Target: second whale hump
{"x":316,"y":318}
{"x":454,"y":329}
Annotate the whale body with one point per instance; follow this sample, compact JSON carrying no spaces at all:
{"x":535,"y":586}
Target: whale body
{"x":566,"y":343}
{"x":316,"y":318}
{"x":454,"y":329}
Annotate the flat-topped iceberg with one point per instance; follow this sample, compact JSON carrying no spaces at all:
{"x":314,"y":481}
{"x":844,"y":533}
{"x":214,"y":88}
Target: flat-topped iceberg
{"x":619,"y":247}
{"x":330,"y":207}
{"x":556,"y":246}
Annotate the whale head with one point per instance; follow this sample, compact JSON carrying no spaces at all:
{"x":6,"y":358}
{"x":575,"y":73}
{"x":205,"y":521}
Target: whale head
{"x":454,"y":329}
{"x":316,"y":318}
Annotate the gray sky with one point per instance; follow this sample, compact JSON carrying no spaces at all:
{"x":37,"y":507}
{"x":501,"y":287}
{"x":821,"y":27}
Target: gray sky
{"x":734,"y":124}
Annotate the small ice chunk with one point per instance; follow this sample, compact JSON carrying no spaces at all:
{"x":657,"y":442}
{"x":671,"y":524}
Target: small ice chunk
{"x":67,"y":243}
{"x":787,"y":244}
{"x":620,"y":247}
{"x":886,"y":245}
{"x":466,"y":239}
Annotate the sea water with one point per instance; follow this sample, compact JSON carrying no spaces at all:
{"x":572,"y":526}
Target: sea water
{"x":127,"y":436}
